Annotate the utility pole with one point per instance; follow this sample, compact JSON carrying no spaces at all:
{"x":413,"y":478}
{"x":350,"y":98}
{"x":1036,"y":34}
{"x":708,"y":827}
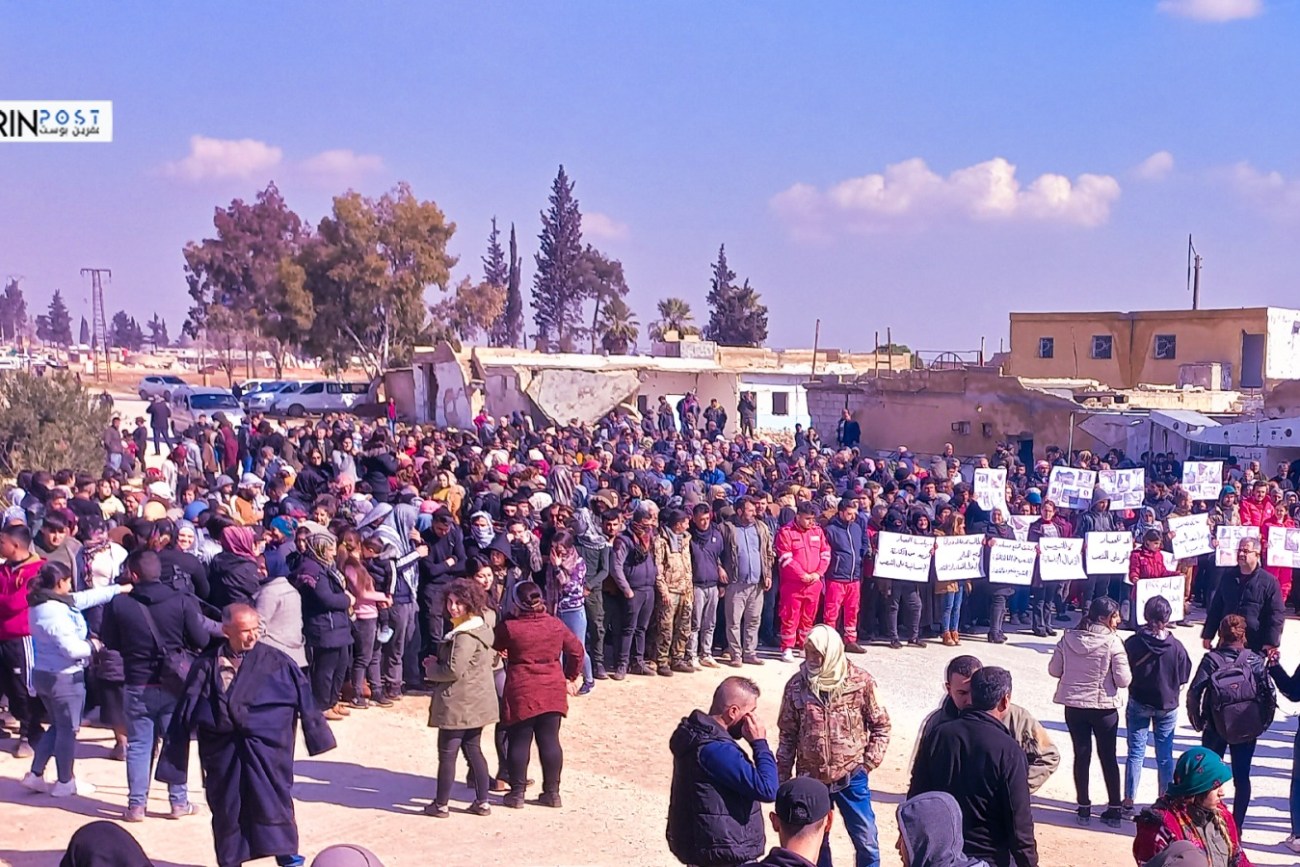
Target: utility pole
{"x":817,"y":334}
{"x":1194,"y":273}
{"x":99,"y":325}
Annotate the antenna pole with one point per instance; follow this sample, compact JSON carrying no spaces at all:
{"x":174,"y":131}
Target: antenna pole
{"x":99,"y":325}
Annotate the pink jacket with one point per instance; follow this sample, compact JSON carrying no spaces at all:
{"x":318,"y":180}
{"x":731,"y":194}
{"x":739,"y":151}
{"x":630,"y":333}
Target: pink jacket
{"x":801,"y":551}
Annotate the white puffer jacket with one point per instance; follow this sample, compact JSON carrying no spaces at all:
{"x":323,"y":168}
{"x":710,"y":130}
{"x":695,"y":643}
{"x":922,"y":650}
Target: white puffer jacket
{"x":1092,"y":666}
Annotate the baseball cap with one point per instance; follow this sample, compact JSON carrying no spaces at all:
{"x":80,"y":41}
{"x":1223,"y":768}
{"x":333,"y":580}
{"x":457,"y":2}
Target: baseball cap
{"x":801,"y":801}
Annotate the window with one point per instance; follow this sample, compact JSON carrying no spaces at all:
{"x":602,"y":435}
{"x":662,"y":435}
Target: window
{"x":1166,"y":346}
{"x":314,"y":388}
{"x":1101,"y":345}
{"x":1046,"y":347}
{"x":780,"y":403}
{"x":643,"y":404}
{"x":333,"y":388}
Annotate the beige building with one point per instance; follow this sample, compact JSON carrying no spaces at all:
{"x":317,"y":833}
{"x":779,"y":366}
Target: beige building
{"x":1244,"y":348}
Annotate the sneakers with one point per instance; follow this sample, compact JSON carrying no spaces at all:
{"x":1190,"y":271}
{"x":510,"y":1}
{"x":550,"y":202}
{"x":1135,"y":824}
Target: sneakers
{"x":1112,"y":818}
{"x":1084,"y":816}
{"x":480,"y":808}
{"x":359,"y":703}
{"x":708,"y":662}
{"x":598,"y":672}
{"x":437,"y":811}
{"x":682,"y":668}
{"x":916,"y":642}
{"x":1293,"y":843}
{"x":787,"y":655}
{"x":133,"y":814}
{"x":71,"y":787}
{"x":180,"y":811}
{"x":33,"y":783}
{"x":586,"y":687}
{"x":385,"y":635}
{"x":854,"y":647}
{"x":381,"y":699}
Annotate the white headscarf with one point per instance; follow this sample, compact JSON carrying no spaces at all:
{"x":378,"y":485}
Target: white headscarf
{"x":833,"y":673}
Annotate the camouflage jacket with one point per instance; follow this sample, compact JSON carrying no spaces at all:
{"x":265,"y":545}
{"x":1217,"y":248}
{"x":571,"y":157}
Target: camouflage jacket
{"x":674,"y":567}
{"x":828,"y":741}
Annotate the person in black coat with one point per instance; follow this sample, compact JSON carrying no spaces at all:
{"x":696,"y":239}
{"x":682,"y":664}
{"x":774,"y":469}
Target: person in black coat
{"x":445,"y":562}
{"x":325,"y":622}
{"x":976,"y":760}
{"x":315,"y":477}
{"x":244,"y":700}
{"x":1253,"y":593}
{"x":377,"y":465}
{"x":232,"y":574}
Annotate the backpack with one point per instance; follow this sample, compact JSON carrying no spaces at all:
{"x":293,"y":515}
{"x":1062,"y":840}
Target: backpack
{"x":1241,"y":708}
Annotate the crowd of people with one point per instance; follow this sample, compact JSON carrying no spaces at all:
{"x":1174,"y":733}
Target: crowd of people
{"x":342,"y":565}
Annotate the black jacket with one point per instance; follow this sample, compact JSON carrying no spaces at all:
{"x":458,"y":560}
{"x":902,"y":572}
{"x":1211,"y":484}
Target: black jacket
{"x":707,"y":825}
{"x":1256,"y":597}
{"x":176,"y":617}
{"x":325,"y":604}
{"x":232,"y":579}
{"x":435,"y":568}
{"x":779,"y":857}
{"x":975,"y":759}
{"x":1198,"y":709}
{"x":184,"y":572}
{"x":376,"y":466}
{"x":1160,"y":668}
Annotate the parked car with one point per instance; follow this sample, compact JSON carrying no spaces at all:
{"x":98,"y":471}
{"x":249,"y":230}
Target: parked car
{"x":191,"y":402}
{"x":260,"y":399}
{"x":160,"y":385}
{"x":313,"y":398}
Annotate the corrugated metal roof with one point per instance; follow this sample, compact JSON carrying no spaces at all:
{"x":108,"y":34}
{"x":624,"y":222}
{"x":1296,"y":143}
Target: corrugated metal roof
{"x":1182,"y":420}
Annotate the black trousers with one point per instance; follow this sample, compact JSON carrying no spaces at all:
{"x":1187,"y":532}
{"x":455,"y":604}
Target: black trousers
{"x":1085,"y":724}
{"x":631,"y":642}
{"x":327,"y":668}
{"x":595,"y":606}
{"x":15,"y":665}
{"x":908,"y":600}
{"x":467,"y":741}
{"x":1094,"y":586}
{"x":998,"y":609}
{"x":545,"y":729}
{"x":1042,"y":599}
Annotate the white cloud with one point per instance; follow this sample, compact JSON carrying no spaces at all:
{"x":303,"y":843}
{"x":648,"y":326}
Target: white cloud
{"x":1212,"y":10}
{"x":1271,"y":191}
{"x":910,"y":192}
{"x":214,"y":158}
{"x":341,"y":166}
{"x":1155,"y":167}
{"x":603,"y":226}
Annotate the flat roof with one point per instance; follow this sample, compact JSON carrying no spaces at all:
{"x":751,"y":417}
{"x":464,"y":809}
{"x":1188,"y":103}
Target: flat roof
{"x":1203,"y":313}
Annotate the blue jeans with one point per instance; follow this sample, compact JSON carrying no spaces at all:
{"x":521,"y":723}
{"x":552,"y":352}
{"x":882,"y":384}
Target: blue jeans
{"x":576,"y":620}
{"x":64,"y":696}
{"x":951,"y":611}
{"x":854,"y":804}
{"x":1295,"y":787}
{"x":1139,"y":720}
{"x":148,"y":713}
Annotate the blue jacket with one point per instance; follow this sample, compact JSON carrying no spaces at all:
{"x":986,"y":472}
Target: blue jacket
{"x":60,"y":637}
{"x":848,"y":549}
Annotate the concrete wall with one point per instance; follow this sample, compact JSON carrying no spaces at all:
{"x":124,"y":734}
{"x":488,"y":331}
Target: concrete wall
{"x":919,"y":408}
{"x":723,"y":385}
{"x":1282,"y":358}
{"x":1202,"y":335}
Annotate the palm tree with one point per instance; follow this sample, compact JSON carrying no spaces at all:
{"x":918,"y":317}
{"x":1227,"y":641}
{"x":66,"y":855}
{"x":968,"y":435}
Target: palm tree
{"x":674,"y":315}
{"x":618,"y":327}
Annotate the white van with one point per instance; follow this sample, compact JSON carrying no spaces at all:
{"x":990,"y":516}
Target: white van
{"x":193,"y":401}
{"x":315,"y":398}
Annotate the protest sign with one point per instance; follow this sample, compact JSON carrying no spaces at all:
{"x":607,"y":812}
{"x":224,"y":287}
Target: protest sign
{"x":1012,"y":562}
{"x":1060,"y":559}
{"x":1171,"y":588}
{"x":1227,"y":539}
{"x":903,"y":557}
{"x":1284,"y":547}
{"x":991,"y":489}
{"x":1020,"y":526}
{"x":958,"y":558}
{"x":1203,"y":479}
{"x":1191,"y":535}
{"x":1125,"y":488}
{"x":1070,"y":488}
{"x":1108,"y":553}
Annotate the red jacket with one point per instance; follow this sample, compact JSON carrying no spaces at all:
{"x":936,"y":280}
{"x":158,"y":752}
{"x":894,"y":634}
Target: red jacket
{"x":535,"y":681}
{"x":15,"y":579}
{"x":1143,"y":563}
{"x":1255,"y":514}
{"x":802,"y":551}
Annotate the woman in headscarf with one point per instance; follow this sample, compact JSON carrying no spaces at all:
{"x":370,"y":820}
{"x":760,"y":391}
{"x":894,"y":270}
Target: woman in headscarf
{"x":1147,"y":520}
{"x":103,"y":844}
{"x":326,"y":625}
{"x":446,"y":491}
{"x":1192,"y":810}
{"x":535,"y":698}
{"x":232,"y":573}
{"x":566,"y":592}
{"x":479,"y":536}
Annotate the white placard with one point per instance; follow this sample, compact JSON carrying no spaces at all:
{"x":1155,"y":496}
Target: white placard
{"x":1284,"y":547}
{"x":904,"y":557}
{"x":1203,"y":479}
{"x":1070,"y":488}
{"x":1172,"y":588}
{"x":991,"y":489}
{"x":1020,"y":525}
{"x":958,"y":558}
{"x":1012,"y":562}
{"x":1060,"y":559}
{"x":1227,"y":539}
{"x":1124,"y":487}
{"x":1108,"y":553}
{"x":1190,"y":534}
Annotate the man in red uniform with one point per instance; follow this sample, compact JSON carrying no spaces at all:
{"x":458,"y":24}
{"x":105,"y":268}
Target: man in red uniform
{"x":804,"y":554}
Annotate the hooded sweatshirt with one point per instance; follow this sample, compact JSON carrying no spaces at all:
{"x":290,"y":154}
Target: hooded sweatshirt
{"x":930,"y":828}
{"x":1160,"y":667}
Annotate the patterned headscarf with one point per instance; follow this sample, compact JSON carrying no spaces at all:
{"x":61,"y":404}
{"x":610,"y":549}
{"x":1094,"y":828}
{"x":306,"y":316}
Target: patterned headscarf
{"x":239,"y":541}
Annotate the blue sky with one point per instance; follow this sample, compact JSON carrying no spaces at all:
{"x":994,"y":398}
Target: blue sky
{"x":926,"y":166}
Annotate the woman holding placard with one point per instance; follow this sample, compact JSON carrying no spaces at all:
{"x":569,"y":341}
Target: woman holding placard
{"x":1044,"y":595}
{"x":949,"y":594}
{"x":1278,"y":522}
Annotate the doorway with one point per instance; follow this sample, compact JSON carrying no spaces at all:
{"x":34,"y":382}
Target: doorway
{"x":1252,"y":360}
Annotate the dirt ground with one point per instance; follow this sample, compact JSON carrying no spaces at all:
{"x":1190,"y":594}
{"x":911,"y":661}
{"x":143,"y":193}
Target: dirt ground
{"x":615,"y":786}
